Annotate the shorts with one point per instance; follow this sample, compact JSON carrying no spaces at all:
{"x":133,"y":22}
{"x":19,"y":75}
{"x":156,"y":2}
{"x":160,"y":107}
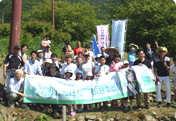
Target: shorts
{"x":174,"y":82}
{"x":130,"y":97}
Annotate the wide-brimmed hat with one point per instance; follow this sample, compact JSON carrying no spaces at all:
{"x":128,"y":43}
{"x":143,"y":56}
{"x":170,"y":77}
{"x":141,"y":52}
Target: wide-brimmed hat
{"x":48,"y":46}
{"x":40,"y":51}
{"x":89,"y":74}
{"x":111,"y":48}
{"x":47,"y":61}
{"x":54,"y":65}
{"x":69,"y":71}
{"x":125,"y":62}
{"x":161,"y":49}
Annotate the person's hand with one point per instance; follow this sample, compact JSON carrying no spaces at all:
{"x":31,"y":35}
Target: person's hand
{"x":113,"y":63}
{"x":4,"y":74}
{"x":165,"y":64}
{"x":97,"y":74}
{"x":156,"y":43}
{"x":107,"y":72}
{"x":140,"y":64}
{"x":23,"y":95}
{"x":66,"y":52}
{"x":157,"y":81}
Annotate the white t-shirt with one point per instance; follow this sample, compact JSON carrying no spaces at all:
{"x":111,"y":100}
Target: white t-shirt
{"x":173,"y":70}
{"x":102,"y":69}
{"x":48,"y":41}
{"x":72,"y":67}
{"x":87,"y":67}
{"x":90,"y":54}
{"x":48,"y":55}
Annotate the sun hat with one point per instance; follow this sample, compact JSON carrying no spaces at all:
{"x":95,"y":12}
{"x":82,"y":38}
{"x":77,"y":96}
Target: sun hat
{"x":54,"y":65}
{"x":161,"y":49}
{"x":48,"y":46}
{"x":40,"y":51}
{"x":98,"y":55}
{"x":125,"y":62}
{"x":80,"y":72}
{"x":69,"y":71}
{"x":47,"y":61}
{"x":89,"y":74}
{"x":111,"y":48}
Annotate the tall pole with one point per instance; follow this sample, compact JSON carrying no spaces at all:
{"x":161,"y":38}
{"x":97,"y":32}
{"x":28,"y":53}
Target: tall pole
{"x":3,"y":17}
{"x":53,"y":12}
{"x":15,"y":24}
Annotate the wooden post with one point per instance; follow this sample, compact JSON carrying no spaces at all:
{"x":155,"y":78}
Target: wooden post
{"x":63,"y":113}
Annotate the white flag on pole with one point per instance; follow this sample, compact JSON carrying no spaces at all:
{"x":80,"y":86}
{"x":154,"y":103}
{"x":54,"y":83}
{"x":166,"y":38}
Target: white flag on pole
{"x":174,"y":1}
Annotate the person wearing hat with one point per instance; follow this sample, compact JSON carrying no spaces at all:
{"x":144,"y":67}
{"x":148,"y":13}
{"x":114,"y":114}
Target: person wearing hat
{"x":132,"y":54}
{"x":40,"y":55}
{"x":12,"y":62}
{"x":32,"y":66}
{"x":46,"y":66}
{"x":24,"y":48}
{"x":91,"y":54}
{"x":68,"y":65}
{"x":161,"y":70}
{"x":87,"y":65}
{"x":142,"y":61}
{"x":97,"y":62}
{"x":111,"y":51}
{"x":47,"y":53}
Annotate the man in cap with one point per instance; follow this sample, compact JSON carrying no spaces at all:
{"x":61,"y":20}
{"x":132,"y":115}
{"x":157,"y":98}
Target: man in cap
{"x":161,"y":70}
{"x":32,"y":66}
{"x":14,"y":62}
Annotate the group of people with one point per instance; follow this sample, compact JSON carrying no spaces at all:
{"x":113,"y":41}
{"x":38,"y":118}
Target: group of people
{"x":79,"y":64}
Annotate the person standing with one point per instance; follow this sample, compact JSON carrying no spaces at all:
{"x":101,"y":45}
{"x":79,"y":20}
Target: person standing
{"x":24,"y":48}
{"x":161,"y":69}
{"x":15,"y":89}
{"x":14,"y":62}
{"x":103,"y":52}
{"x":91,"y":54}
{"x":111,"y":52}
{"x":40,"y":55}
{"x":142,"y":61}
{"x":32,"y":66}
{"x":78,"y":48}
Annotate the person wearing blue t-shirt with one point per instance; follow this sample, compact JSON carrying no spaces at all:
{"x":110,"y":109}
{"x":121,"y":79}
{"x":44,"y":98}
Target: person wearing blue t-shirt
{"x":132,"y":54}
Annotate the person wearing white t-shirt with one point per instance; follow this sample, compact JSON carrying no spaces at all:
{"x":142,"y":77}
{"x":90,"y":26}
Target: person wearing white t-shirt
{"x":48,"y":52}
{"x":102,"y":69}
{"x":173,"y":71}
{"x":91,"y":54}
{"x":68,"y":65}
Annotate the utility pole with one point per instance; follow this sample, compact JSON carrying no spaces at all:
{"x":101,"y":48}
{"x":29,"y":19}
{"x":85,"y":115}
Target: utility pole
{"x":15,"y":24}
{"x":53,"y":12}
{"x":3,"y":17}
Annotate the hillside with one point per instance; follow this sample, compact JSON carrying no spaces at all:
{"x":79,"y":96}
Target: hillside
{"x":6,"y":5}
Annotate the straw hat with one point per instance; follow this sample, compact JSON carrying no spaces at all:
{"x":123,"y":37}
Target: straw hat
{"x":47,"y":61}
{"x":161,"y":49}
{"x":68,"y":55}
{"x":111,"y":48}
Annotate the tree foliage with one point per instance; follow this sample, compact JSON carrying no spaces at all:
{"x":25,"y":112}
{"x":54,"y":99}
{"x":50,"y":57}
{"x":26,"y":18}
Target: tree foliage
{"x":148,"y":20}
{"x":78,"y":19}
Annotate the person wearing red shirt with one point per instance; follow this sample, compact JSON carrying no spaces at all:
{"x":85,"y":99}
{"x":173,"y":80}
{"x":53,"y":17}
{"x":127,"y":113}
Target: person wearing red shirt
{"x":78,"y":49}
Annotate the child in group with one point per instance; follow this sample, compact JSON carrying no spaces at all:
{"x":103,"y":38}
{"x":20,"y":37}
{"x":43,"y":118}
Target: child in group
{"x":101,"y":70}
{"x":44,"y":43}
{"x":126,"y":65}
{"x":48,"y":38}
{"x":46,"y":66}
{"x":54,"y":60}
{"x":115,"y":66}
{"x":89,"y":77}
{"x":132,"y":54}
{"x":79,"y":78}
{"x":68,"y":74}
{"x":48,"y":52}
{"x":173,"y":71}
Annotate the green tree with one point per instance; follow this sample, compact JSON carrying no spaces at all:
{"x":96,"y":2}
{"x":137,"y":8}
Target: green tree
{"x":78,"y":19}
{"x":148,"y":20}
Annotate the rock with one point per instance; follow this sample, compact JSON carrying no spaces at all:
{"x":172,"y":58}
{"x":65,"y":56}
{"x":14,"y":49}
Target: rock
{"x":149,"y":118}
{"x":81,"y":118}
{"x":100,"y":119}
{"x":118,"y":118}
{"x":154,"y":96}
{"x":153,"y":113}
{"x":172,"y":93}
{"x":172,"y":102}
{"x":14,"y":113}
{"x":90,"y":120}
{"x":164,"y":96}
{"x":110,"y":119}
{"x":73,"y":119}
{"x":1,"y":118}
{"x":91,"y":117}
{"x":164,"y":101}
{"x":166,"y":118}
{"x":151,"y":99}
{"x":4,"y":114}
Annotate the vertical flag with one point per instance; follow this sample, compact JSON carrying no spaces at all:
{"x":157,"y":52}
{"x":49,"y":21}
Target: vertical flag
{"x":119,"y":35}
{"x":95,"y":48}
{"x":174,"y":1}
{"x":103,"y":36}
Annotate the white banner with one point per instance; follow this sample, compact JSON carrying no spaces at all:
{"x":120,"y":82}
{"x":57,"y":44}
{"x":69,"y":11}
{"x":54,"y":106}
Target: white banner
{"x":103,"y":36}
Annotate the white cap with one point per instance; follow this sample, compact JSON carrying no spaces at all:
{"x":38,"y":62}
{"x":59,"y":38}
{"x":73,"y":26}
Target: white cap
{"x":125,"y":62}
{"x":99,"y":55}
{"x":40,"y":51}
